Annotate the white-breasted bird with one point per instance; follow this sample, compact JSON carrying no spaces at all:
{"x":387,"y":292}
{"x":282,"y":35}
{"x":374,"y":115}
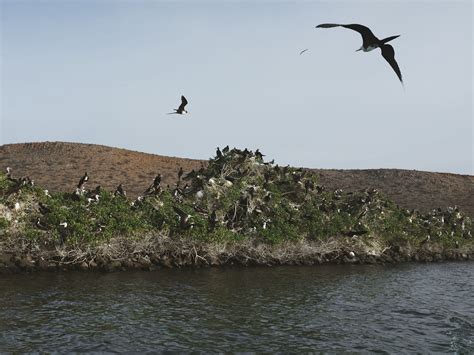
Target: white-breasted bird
{"x":181,"y":109}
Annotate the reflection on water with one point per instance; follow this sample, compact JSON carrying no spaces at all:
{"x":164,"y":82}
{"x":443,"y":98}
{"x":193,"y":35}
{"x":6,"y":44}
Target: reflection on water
{"x":409,"y":308}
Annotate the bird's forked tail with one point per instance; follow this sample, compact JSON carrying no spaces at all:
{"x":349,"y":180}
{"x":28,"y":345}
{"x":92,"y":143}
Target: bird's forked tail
{"x":388,"y":39}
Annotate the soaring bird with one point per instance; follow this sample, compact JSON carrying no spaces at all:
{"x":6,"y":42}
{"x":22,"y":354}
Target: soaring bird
{"x":370,"y":42}
{"x":304,"y":50}
{"x":180,"y":110}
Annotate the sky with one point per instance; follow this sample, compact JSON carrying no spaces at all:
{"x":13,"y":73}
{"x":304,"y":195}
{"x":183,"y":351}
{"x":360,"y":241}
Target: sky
{"x":107,"y":72}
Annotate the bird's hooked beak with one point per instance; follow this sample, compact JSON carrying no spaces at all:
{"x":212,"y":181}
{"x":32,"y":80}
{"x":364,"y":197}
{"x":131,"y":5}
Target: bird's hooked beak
{"x":360,"y":49}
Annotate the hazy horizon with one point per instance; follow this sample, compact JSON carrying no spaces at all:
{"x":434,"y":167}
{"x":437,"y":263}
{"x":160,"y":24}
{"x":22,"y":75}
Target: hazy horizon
{"x":106,"y":73}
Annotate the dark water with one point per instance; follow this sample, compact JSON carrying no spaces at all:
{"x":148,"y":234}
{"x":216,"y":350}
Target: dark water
{"x":403,"y":308}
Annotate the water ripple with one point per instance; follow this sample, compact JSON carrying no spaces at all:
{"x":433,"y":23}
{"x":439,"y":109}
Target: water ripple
{"x":388,"y":309}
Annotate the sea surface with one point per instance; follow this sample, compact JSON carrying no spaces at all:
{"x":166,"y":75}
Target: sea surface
{"x":396,"y":308}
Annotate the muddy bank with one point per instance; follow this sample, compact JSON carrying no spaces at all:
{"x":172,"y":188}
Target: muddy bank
{"x":122,"y":254}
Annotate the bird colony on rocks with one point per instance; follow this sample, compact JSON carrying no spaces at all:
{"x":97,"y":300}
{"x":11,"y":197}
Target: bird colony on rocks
{"x":237,"y":196}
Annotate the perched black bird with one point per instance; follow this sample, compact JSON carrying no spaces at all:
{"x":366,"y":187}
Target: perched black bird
{"x":218,"y":153}
{"x":63,"y":232}
{"x":200,"y":209}
{"x":119,"y":191}
{"x":267,"y":197}
{"x":426,"y":240}
{"x":252,"y":191}
{"x":43,"y":208}
{"x":40,"y":224}
{"x":94,"y":195}
{"x":212,"y":220}
{"x":96,"y":191}
{"x":320,"y":188}
{"x":138,"y":202}
{"x":231,"y":178}
{"x":267,"y":175}
{"x":370,"y":42}
{"x":180,"y":173}
{"x":191,"y":175}
{"x":157,"y":180}
{"x":178,"y":193}
{"x":24,"y":181}
{"x":181,"y":109}
{"x":258,"y":154}
{"x":183,"y":218}
{"x":226,"y":149}
{"x":155,"y":187}
{"x":83,"y":180}
{"x":296,"y":177}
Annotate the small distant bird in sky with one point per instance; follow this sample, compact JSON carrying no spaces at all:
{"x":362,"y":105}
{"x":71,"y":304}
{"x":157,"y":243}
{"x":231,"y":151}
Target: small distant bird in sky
{"x":304,"y":50}
{"x":180,"y":110}
{"x":370,"y":42}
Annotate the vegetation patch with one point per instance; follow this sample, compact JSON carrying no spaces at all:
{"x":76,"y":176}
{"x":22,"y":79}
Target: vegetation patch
{"x":237,"y":199}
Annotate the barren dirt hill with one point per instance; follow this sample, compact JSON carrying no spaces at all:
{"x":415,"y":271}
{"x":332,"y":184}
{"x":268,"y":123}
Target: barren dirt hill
{"x":58,"y":166}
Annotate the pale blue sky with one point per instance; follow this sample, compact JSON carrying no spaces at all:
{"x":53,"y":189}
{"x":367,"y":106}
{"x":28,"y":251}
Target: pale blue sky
{"x":107,"y":72}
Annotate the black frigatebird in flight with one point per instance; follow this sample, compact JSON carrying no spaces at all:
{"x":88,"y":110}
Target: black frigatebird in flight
{"x":370,"y":42}
{"x":180,"y":110}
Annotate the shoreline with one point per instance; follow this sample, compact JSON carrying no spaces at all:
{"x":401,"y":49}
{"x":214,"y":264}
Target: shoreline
{"x":153,"y":253}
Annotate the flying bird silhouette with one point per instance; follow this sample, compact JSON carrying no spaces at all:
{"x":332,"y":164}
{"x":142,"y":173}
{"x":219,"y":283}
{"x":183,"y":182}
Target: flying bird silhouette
{"x":304,"y":50}
{"x":180,"y":110}
{"x":370,"y":42}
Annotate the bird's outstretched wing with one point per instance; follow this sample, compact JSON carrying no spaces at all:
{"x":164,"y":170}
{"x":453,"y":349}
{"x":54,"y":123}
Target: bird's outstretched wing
{"x":389,"y":54}
{"x":184,"y":102}
{"x":364,"y":31}
{"x":304,"y":50}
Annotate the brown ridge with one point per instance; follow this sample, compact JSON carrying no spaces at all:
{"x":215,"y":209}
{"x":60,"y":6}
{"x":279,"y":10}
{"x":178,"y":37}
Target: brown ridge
{"x":58,"y":166}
